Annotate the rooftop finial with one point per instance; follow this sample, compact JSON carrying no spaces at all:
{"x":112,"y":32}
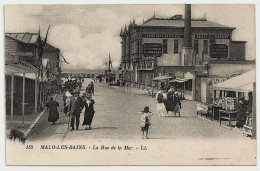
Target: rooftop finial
{"x":153,"y":14}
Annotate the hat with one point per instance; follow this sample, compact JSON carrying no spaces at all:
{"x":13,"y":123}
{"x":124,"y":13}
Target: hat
{"x":146,"y":109}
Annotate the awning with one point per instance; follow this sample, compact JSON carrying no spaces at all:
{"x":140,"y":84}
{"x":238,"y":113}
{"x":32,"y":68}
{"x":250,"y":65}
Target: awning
{"x":179,"y":80}
{"x":246,"y":88}
{"x":240,"y":82}
{"x":163,"y":77}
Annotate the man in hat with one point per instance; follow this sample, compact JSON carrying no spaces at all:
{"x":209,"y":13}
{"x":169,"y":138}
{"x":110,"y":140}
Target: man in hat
{"x":76,"y":105}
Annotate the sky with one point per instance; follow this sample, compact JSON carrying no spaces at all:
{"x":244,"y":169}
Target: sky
{"x":86,"y":34}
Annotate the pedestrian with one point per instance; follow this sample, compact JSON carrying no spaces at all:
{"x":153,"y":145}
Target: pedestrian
{"x":145,"y":121}
{"x":160,"y":105}
{"x":92,"y":88}
{"x":52,"y":106}
{"x":169,"y":102}
{"x":241,"y":113}
{"x":88,"y":89}
{"x":80,"y":85}
{"x":89,"y":111}
{"x":176,"y":104}
{"x":67,"y":103}
{"x":76,"y":105}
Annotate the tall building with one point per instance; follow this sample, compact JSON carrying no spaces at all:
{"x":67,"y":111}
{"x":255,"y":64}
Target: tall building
{"x":190,"y":52}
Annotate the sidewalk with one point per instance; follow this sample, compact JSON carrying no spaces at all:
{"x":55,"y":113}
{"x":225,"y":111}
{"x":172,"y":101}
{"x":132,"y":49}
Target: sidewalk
{"x":30,"y":120}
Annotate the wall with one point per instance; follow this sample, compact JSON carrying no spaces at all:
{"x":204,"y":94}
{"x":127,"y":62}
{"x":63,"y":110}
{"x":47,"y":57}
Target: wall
{"x":224,"y":70}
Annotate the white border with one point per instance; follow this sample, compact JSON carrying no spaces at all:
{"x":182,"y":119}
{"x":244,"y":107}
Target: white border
{"x":2,"y":86}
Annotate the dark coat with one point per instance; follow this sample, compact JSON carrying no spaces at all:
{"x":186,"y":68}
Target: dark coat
{"x":53,"y":111}
{"x":169,"y":102}
{"x":89,"y":112}
{"x":76,"y":105}
{"x":241,"y":110}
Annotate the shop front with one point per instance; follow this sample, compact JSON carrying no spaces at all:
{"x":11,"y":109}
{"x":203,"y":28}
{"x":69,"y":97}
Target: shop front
{"x":228,"y":93}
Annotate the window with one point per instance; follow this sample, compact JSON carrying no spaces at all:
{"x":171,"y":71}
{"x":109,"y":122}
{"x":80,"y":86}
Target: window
{"x":176,"y":48}
{"x":165,"y":46}
{"x":188,"y":85}
{"x":206,"y":45}
{"x":196,"y":46}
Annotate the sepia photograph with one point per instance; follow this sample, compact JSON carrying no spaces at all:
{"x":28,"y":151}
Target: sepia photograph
{"x":130,"y":84}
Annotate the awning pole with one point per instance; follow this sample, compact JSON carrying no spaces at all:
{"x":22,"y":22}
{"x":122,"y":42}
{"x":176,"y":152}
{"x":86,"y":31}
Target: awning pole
{"x":12,"y":98}
{"x":23,"y":97}
{"x":35,"y":95}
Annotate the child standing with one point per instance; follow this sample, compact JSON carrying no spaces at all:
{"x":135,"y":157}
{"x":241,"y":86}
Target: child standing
{"x":145,"y":121}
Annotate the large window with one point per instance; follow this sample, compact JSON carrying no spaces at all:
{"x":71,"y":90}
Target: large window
{"x":165,"y":46}
{"x":176,"y":47}
{"x":196,"y":46}
{"x":206,"y":46}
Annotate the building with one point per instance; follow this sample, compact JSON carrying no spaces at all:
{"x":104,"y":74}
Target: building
{"x":190,"y":52}
{"x":21,"y":70}
{"x":28,"y":68}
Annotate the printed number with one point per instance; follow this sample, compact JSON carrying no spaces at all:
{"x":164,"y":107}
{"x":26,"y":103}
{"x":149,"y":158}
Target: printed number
{"x":29,"y":147}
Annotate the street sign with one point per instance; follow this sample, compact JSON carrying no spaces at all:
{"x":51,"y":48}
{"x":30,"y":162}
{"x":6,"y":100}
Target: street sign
{"x":152,"y":49}
{"x":218,"y":50}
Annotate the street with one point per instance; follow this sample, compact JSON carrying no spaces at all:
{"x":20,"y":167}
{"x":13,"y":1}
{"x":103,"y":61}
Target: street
{"x":116,"y":118}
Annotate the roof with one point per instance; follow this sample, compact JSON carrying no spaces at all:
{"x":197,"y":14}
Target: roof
{"x":49,"y":47}
{"x":241,"y":82}
{"x":180,"y":23}
{"x":24,"y":37}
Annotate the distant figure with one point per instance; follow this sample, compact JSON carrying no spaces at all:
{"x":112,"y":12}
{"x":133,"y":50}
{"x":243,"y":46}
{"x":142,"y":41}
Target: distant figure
{"x":92,"y":88}
{"x":160,"y":105}
{"x":52,"y":106}
{"x":89,"y":89}
{"x":145,"y":121}
{"x":176,"y":104}
{"x":89,"y":111}
{"x":241,"y":113}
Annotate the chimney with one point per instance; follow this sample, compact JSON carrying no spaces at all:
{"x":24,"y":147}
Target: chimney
{"x":187,"y":26}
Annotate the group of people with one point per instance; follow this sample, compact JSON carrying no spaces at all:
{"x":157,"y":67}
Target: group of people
{"x":73,"y":106}
{"x":74,"y":85}
{"x":168,"y":100}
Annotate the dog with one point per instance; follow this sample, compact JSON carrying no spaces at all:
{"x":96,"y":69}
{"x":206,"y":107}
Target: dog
{"x":15,"y":133}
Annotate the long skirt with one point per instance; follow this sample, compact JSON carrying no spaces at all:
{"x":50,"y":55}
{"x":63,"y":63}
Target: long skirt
{"x":88,"y":117}
{"x":53,"y":116}
{"x":176,"y":109}
{"x":161,"y":109}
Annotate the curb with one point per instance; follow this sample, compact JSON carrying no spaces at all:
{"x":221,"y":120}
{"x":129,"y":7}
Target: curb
{"x":36,"y":121}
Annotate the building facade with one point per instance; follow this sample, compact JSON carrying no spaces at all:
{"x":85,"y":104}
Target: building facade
{"x":188,"y":50}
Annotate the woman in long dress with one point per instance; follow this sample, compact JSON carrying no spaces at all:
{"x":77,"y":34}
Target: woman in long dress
{"x":52,"y":105}
{"x":160,"y":105}
{"x":89,"y":111}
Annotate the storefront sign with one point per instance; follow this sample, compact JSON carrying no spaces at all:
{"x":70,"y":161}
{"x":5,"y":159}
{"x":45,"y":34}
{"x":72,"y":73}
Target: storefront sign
{"x":152,"y":49}
{"x":161,"y":36}
{"x":218,"y":80}
{"x":218,"y":50}
{"x":212,"y":36}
